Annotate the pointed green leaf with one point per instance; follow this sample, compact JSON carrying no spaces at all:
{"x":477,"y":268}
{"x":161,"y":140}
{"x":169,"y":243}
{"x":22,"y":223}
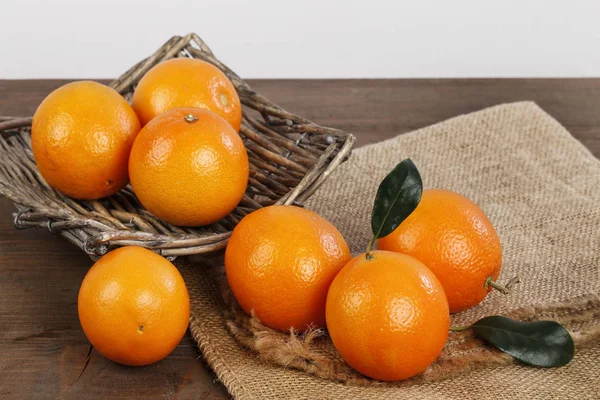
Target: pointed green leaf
{"x":540,"y":343}
{"x":397,"y":197}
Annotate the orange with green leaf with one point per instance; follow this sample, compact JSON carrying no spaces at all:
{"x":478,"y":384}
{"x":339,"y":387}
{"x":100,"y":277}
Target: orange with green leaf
{"x":388,"y":314}
{"x":456,"y":240}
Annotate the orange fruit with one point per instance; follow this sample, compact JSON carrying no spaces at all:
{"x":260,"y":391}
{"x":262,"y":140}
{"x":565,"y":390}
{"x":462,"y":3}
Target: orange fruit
{"x":455,"y":239}
{"x":387,"y":316}
{"x":186,"y":82}
{"x":81,"y":136}
{"x":280,"y":261}
{"x":134,"y":306}
{"x":189,"y":167}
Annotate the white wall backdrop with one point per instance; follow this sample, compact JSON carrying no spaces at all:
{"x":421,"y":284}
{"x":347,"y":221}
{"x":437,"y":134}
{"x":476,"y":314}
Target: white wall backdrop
{"x":307,"y":38}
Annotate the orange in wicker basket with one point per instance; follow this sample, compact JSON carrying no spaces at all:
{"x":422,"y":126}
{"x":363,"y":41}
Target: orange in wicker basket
{"x":290,"y":157}
{"x":186,"y":82}
{"x":172,"y":176}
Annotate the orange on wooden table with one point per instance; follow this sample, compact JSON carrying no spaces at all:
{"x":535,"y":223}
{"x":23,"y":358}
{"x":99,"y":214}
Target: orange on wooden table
{"x":454,"y":238}
{"x":189,"y":167}
{"x":134,"y":306}
{"x":387,"y":315}
{"x":81,"y":137}
{"x":186,"y":82}
{"x":280,"y":262}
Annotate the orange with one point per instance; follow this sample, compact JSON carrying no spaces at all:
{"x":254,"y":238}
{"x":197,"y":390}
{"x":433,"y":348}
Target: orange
{"x":81,"y":137}
{"x":186,"y":82}
{"x":387,"y":316}
{"x":189,"y":167}
{"x":134,"y":306}
{"x":454,"y":238}
{"x":280,"y":262}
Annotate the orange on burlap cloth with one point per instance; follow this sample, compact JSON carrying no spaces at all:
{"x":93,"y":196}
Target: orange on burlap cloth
{"x":540,"y":188}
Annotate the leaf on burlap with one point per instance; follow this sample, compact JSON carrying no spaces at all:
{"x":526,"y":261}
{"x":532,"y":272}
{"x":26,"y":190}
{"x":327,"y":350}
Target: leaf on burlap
{"x":539,"y":343}
{"x":397,"y":197}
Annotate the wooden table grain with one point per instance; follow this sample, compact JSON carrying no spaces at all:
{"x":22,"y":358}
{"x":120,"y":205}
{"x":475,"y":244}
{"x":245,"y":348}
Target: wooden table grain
{"x":42,"y":347}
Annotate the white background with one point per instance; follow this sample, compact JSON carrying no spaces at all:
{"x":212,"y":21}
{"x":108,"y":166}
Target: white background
{"x":307,"y":38}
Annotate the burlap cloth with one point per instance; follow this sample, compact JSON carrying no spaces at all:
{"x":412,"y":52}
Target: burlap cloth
{"x":541,"y":189}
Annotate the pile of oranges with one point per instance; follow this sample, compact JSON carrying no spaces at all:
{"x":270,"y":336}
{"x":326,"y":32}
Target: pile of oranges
{"x":178,"y":144}
{"x":387,"y":311}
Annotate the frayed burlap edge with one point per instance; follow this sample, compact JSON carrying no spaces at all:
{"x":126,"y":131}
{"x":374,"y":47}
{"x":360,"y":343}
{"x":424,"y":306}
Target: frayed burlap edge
{"x":313,"y":352}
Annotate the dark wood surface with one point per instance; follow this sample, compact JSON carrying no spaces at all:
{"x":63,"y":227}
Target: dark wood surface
{"x":42,"y":347}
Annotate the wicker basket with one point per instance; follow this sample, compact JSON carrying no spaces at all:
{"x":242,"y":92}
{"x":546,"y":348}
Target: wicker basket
{"x":289,"y":158}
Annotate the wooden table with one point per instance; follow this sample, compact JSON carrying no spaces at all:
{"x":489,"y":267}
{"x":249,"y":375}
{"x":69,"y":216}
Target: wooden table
{"x":42,"y":347}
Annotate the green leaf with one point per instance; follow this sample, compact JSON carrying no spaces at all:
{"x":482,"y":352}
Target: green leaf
{"x":540,"y":343}
{"x":397,"y":197}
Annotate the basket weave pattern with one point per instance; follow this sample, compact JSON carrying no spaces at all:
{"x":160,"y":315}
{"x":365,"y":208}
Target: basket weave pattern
{"x":290,"y":157}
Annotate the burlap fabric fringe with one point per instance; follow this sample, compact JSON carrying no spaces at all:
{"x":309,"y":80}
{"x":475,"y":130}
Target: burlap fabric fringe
{"x":541,"y":189}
